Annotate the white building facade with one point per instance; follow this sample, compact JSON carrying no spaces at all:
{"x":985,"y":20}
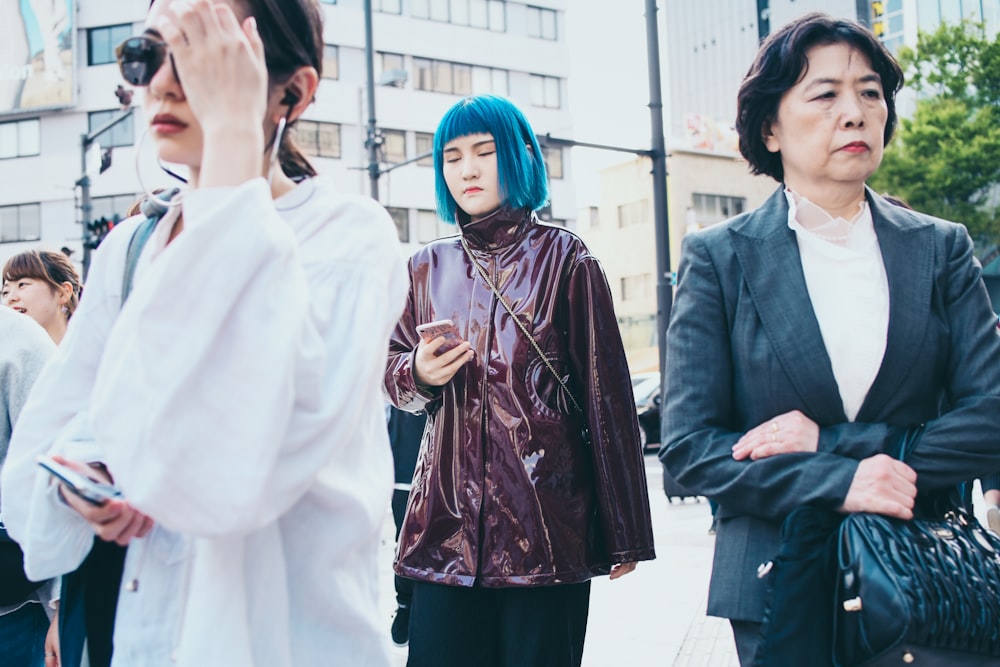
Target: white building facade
{"x":427,"y":55}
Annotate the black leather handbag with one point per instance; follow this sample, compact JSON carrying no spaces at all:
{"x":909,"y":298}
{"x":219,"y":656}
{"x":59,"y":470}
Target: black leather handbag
{"x":924,"y":592}
{"x":15,"y":586}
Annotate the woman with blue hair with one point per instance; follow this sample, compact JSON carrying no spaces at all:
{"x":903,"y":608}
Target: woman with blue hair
{"x":530,"y":479}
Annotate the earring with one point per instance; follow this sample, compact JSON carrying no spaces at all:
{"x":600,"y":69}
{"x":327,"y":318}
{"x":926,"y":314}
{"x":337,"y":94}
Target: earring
{"x":174,"y":201}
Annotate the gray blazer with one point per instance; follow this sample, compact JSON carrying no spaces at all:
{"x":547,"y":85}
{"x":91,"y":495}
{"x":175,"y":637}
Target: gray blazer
{"x":744,"y":345}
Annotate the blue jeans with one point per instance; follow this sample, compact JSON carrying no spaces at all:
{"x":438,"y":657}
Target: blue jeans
{"x":22,"y":636}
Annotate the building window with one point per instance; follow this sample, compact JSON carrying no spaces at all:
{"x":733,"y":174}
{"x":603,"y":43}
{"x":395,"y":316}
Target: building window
{"x":440,"y":76}
{"x":553,"y":161}
{"x":122,"y":134}
{"x":430,"y":226}
{"x":318,"y":139}
{"x":637,"y":287}
{"x":393,"y":146}
{"x":633,"y":213}
{"x":487,"y":14}
{"x":20,"y":138}
{"x":425,"y":144}
{"x":709,"y":209}
{"x":486,"y":80}
{"x":401,"y":217}
{"x":101,"y":42}
{"x":541,"y":23}
{"x":595,"y":218}
{"x":21,"y":222}
{"x":545,"y":91}
{"x":388,"y":6}
{"x":111,"y":206}
{"x":331,"y":61}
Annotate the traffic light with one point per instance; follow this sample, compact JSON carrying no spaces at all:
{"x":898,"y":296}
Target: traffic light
{"x":878,"y":18}
{"x":98,"y":229}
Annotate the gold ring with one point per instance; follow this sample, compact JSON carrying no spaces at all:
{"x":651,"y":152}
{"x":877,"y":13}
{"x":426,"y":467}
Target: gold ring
{"x":774,"y":426}
{"x":49,"y":655}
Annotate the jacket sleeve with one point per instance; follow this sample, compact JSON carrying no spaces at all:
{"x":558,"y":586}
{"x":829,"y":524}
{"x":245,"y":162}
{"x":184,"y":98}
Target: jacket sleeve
{"x":601,"y":372}
{"x":700,"y":421}
{"x":964,"y":441}
{"x":238,"y":367}
{"x":401,"y":387}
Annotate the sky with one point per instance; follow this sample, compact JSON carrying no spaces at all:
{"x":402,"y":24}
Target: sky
{"x":608,"y":85}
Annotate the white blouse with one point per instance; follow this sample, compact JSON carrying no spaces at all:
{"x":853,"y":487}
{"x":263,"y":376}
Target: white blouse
{"x":236,"y":399}
{"x":849,"y":290}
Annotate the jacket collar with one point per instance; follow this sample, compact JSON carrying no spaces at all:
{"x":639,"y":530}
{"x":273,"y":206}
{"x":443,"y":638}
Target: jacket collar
{"x":499,"y":229}
{"x":768,"y":254}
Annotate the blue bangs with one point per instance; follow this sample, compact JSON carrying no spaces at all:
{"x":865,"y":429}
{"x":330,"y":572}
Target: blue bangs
{"x":521,"y":172}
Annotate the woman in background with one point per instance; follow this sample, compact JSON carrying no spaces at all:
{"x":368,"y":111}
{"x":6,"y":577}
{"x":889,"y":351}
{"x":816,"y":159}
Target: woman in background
{"x":513,"y":508}
{"x":44,"y":285}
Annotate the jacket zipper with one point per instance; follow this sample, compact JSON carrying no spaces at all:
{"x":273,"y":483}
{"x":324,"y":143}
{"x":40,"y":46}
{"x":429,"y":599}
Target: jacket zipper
{"x":483,"y":418}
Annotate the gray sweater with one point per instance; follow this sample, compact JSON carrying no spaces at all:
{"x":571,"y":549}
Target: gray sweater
{"x":24,"y":349}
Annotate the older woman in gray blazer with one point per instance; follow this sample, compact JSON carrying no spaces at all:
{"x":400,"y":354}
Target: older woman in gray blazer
{"x":813,"y":335}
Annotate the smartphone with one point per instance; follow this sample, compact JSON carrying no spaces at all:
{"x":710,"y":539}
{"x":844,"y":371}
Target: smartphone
{"x":446,"y":328}
{"x":87,"y":488}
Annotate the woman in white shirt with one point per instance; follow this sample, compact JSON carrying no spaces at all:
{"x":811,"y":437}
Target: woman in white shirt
{"x":819,"y":337}
{"x":234,"y":398}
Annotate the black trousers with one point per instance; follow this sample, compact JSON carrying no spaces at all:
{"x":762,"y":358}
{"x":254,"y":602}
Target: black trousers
{"x":536,"y":626}
{"x":404,"y":586}
{"x":747,"y":636}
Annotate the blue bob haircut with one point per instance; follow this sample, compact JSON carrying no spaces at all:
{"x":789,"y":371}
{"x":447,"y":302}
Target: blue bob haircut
{"x":521,"y":172}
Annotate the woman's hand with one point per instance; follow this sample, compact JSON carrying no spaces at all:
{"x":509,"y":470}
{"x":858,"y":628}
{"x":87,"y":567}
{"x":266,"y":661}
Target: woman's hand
{"x":621,"y":569}
{"x":224,"y":78}
{"x":882,"y":485}
{"x":115,"y":520}
{"x":784,"y":434}
{"x":436,"y":371}
{"x":52,"y":657}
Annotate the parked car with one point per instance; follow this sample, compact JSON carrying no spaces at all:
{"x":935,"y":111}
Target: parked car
{"x":646,"y":389}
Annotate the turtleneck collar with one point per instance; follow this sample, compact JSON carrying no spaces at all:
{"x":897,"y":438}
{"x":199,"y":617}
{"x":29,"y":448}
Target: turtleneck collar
{"x":501,"y":228}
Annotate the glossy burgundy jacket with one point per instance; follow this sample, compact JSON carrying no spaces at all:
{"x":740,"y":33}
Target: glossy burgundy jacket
{"x":506,"y":492}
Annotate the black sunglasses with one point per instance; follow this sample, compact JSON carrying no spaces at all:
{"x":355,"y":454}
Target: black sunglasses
{"x":140,"y":58}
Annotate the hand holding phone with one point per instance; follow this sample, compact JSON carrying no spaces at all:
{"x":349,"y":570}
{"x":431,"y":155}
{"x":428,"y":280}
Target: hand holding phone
{"x":438,"y":329}
{"x":84,"y":486}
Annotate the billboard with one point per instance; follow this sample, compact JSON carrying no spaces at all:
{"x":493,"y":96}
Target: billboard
{"x":36,"y":55}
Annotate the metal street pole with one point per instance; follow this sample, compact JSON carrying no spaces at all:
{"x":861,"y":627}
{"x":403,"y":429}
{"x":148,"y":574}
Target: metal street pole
{"x":661,"y":216}
{"x":373,"y":139}
{"x":85,"y":205}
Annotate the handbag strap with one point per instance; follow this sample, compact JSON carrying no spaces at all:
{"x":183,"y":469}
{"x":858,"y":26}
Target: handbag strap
{"x":520,"y":325}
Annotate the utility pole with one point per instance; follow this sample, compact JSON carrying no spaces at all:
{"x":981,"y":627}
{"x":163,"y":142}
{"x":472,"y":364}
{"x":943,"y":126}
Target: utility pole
{"x":661,"y":216}
{"x":374,"y":138}
{"x":86,"y":140}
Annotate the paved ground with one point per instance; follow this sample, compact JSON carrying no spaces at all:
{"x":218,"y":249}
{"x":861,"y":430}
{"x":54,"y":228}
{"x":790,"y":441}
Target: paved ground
{"x":654,"y":616}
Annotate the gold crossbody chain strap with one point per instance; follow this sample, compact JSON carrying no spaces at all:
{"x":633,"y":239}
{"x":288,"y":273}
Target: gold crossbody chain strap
{"x":520,"y":325}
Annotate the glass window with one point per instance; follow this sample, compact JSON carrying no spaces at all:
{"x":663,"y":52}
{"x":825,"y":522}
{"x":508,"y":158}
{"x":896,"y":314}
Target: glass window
{"x":318,"y":139}
{"x":442,"y":76}
{"x":541,"y":23}
{"x":393,"y":146}
{"x":122,"y":134}
{"x":331,"y":62}
{"x":422,"y":74}
{"x":633,"y":213}
{"x":389,"y":6}
{"x":111,"y":206}
{"x":460,"y":12}
{"x":553,"y":162}
{"x":20,"y":138}
{"x":425,"y":144}
{"x":401,"y":217}
{"x":498,"y":82}
{"x":420,"y":9}
{"x":439,"y":10}
{"x":427,"y":226}
{"x":21,"y":222}
{"x":545,"y":91}
{"x":709,"y":209}
{"x":462,"y":79}
{"x":479,"y":14}
{"x":391,"y":61}
{"x":498,"y":15}
{"x":101,"y":42}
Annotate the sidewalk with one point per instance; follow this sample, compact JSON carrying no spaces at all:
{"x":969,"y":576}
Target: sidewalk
{"x":652,"y":617}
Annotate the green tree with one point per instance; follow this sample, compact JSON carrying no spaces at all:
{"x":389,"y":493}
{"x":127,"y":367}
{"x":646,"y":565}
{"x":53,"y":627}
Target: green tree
{"x":945,"y":159}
